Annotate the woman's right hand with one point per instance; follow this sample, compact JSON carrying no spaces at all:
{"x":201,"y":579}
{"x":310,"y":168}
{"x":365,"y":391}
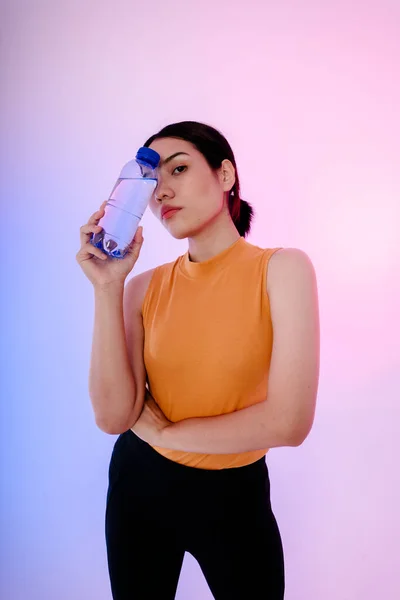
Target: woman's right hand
{"x":98,"y":267}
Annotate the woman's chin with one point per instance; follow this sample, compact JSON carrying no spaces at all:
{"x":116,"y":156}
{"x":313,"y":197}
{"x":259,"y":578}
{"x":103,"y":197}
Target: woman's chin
{"x":180,"y":231}
{"x":176,"y":231}
{"x":178,"y":235}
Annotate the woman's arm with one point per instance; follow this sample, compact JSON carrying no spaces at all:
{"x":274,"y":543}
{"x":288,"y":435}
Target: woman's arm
{"x":285,"y":417}
{"x":117,"y":374}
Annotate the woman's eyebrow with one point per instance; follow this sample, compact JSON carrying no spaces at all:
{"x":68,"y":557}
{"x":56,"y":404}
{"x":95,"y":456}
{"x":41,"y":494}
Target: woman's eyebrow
{"x":164,"y":162}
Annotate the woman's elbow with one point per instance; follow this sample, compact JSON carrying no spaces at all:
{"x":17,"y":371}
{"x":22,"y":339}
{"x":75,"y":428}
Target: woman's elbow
{"x":112,"y":426}
{"x":298,"y":435}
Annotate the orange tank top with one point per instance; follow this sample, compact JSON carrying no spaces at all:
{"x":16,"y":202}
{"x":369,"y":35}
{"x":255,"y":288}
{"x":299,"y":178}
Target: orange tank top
{"x":208,"y":341}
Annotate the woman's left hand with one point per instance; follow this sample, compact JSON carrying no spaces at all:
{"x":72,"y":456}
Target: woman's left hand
{"x":151,"y":422}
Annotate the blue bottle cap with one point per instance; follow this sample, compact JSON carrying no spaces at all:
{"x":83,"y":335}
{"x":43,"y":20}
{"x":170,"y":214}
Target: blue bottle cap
{"x":147,"y":156}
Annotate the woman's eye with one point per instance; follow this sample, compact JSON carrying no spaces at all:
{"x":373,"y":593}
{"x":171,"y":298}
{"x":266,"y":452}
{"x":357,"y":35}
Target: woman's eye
{"x":180,"y":167}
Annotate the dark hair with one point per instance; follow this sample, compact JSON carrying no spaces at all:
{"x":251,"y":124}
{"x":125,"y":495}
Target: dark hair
{"x":215,"y":148}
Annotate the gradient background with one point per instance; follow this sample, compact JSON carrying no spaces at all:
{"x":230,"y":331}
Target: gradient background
{"x":308,"y":95}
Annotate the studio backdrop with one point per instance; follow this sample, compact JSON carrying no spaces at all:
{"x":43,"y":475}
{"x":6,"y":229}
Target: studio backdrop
{"x":307,"y":93}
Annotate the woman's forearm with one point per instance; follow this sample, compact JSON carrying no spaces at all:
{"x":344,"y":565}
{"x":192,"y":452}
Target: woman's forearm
{"x":111,"y":383}
{"x":252,"y":428}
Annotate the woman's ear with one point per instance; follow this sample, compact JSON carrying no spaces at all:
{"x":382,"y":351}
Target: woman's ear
{"x":227,"y":175}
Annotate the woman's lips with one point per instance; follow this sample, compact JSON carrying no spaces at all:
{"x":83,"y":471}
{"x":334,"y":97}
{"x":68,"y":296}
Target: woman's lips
{"x":170,"y":213}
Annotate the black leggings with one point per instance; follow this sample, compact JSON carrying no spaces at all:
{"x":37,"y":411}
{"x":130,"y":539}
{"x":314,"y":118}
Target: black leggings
{"x":158,"y":509}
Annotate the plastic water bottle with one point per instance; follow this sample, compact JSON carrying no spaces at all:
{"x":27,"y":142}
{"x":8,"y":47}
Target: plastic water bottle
{"x":127,"y":202}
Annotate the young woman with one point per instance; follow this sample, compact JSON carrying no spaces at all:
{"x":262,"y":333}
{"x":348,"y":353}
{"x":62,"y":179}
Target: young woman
{"x":226,"y":339}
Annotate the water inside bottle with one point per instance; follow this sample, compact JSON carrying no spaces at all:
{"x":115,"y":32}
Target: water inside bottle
{"x":123,"y":212}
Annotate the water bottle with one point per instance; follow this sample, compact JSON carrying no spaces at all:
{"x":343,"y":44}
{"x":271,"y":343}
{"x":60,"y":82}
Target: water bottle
{"x":127,"y":202}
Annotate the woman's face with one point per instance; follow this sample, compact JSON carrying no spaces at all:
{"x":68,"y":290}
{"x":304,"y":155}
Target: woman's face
{"x":187,"y":182}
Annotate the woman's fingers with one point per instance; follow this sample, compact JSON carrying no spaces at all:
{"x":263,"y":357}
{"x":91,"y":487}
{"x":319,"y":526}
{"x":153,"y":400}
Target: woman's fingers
{"x":92,"y":225}
{"x":86,"y":232}
{"x":92,"y":250}
{"x":95,"y":218}
{"x":88,"y":251}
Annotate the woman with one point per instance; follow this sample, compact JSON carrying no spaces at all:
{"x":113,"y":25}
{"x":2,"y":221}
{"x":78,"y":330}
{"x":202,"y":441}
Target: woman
{"x":231,"y":360}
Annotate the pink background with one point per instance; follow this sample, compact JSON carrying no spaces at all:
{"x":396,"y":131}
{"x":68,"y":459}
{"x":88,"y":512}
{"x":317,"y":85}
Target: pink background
{"x":308,"y":94}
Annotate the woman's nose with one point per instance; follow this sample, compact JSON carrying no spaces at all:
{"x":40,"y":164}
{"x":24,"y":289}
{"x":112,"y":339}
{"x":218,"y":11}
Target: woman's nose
{"x":162,"y":191}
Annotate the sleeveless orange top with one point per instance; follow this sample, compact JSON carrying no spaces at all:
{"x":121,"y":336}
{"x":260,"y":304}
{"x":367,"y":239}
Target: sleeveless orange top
{"x":208,"y":341}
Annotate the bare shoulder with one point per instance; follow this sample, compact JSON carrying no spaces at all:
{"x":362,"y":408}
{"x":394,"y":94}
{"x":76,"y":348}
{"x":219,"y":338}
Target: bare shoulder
{"x":289,"y":268}
{"x":293,"y":298}
{"x":136,"y":288}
